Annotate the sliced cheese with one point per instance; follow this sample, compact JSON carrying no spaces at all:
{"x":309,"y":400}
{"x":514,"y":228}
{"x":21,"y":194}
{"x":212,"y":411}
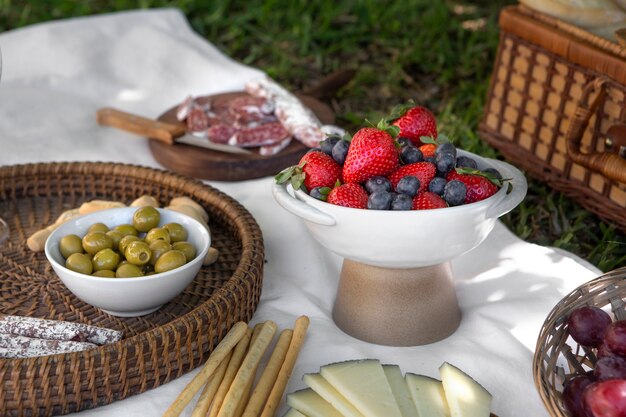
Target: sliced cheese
{"x":364,"y":384}
{"x":294,"y":413}
{"x":330,"y":394}
{"x":400,"y":390}
{"x":466,"y":397}
{"x":309,"y":403}
{"x":427,"y":395}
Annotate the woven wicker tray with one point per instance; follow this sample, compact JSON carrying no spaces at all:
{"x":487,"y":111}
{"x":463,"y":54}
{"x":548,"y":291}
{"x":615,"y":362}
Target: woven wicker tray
{"x":156,"y":348}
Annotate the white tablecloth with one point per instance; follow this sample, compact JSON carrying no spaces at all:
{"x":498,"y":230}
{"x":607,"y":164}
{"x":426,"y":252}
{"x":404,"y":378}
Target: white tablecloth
{"x":56,"y":75}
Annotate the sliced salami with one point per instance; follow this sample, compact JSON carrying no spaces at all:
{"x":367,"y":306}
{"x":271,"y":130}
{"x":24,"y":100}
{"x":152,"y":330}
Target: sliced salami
{"x":12,"y":346}
{"x":262,"y":135}
{"x":197,"y":120}
{"x":184,"y":108}
{"x":294,"y":116}
{"x":221,"y":133}
{"x":274,"y":149}
{"x":57,"y":330}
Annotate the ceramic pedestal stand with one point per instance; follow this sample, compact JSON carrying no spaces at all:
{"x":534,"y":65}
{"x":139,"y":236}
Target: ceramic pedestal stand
{"x":397,"y":307}
{"x":396,"y":285}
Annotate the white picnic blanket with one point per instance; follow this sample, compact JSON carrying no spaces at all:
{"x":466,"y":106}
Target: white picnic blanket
{"x":56,"y":75}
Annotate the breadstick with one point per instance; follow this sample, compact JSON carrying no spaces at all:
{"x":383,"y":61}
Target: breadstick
{"x":98,"y":205}
{"x":268,"y":377}
{"x":145,"y":200}
{"x":299,"y":332}
{"x":217,"y":356}
{"x":247,"y":369}
{"x":231,"y":371}
{"x":245,"y":397}
{"x":206,"y":397}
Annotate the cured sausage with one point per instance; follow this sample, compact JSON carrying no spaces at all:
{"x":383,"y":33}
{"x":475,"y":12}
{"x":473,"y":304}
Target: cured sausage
{"x":274,"y":149}
{"x":12,"y":346}
{"x":221,"y":133}
{"x":57,"y":330}
{"x":262,"y":135}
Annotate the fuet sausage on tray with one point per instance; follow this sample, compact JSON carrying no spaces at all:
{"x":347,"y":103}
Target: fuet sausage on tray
{"x":261,"y":135}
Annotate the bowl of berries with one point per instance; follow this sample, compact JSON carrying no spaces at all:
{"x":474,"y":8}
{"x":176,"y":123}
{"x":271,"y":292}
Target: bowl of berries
{"x":579,"y":364}
{"x":398,"y":200}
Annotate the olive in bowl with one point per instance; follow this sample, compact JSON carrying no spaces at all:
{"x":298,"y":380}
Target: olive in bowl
{"x":128,"y":294}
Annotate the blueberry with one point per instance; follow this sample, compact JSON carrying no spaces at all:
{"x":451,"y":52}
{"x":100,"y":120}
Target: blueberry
{"x":328,"y":143}
{"x":340,"y":150}
{"x":436,"y":185}
{"x":466,"y":162}
{"x":446,"y":147}
{"x":408,"y":185}
{"x":454,"y":193}
{"x":410,"y":154}
{"x":401,"y":202}
{"x":379,"y":200}
{"x":319,"y":193}
{"x":377,"y":184}
{"x":430,"y":159}
{"x":404,"y":141}
{"x":493,"y":172}
{"x":444,"y":162}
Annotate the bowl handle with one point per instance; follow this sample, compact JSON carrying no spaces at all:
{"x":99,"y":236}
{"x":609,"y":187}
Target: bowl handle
{"x":300,"y":208}
{"x":517,"y":193}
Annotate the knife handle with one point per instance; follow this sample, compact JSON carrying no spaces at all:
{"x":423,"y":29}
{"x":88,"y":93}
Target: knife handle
{"x":164,"y":132}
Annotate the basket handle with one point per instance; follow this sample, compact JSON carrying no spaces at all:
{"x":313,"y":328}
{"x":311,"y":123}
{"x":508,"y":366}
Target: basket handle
{"x":608,"y":164}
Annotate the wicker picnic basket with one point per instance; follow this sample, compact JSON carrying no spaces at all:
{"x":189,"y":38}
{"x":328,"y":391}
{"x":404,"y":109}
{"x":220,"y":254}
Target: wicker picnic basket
{"x":557,"y":356}
{"x":556,"y":107}
{"x":156,"y":348}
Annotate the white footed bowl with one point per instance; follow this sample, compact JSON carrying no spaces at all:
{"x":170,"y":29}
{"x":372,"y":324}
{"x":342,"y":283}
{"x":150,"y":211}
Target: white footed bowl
{"x":405,"y":239}
{"x":128,"y":297}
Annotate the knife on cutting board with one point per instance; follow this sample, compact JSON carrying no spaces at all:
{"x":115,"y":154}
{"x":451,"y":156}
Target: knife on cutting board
{"x":168,"y":133}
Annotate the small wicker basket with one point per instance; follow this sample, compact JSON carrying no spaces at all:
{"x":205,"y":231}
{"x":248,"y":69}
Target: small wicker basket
{"x":557,"y":356}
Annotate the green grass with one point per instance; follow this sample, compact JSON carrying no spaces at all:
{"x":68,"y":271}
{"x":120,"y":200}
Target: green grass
{"x":438,"y":53}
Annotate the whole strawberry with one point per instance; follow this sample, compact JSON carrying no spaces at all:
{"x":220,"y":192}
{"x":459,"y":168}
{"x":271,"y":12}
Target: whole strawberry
{"x":372,"y":152}
{"x":348,"y":195}
{"x":416,"y":122}
{"x":426,"y":200}
{"x":315,"y":169}
{"x":479,"y":187}
{"x":424,"y":171}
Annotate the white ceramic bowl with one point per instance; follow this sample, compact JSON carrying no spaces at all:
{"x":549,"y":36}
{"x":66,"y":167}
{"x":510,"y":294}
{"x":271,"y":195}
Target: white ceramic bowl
{"x":405,"y":239}
{"x":127,"y":297}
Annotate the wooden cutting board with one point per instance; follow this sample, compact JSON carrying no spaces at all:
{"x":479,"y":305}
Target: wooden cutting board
{"x":219,"y":166}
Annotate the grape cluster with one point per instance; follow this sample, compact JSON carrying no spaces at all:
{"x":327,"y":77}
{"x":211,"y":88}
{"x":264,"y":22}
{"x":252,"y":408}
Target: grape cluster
{"x":600,"y":392}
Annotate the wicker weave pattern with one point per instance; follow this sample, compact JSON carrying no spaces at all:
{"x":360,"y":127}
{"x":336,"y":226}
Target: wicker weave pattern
{"x":158,"y":347}
{"x":532,"y":100}
{"x":557,"y":356}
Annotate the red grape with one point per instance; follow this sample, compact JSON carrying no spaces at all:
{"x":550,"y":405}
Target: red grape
{"x":615,"y":337}
{"x":604,"y":352}
{"x":573,"y":394}
{"x":610,"y":367}
{"x":606,"y":398}
{"x":587,"y":325}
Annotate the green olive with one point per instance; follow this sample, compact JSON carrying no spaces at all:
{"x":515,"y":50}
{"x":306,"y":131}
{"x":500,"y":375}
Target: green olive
{"x":125,"y":242}
{"x":128,"y":271}
{"x":177,"y":232}
{"x":158,"y":248}
{"x":116,"y":237}
{"x":70,"y":244}
{"x":147,"y":269}
{"x":105,"y":259}
{"x":94,"y":242}
{"x":98,"y":227}
{"x":169,"y":260}
{"x":104,"y":273}
{"x":126,"y":229}
{"x":146,"y":218}
{"x":157,"y":233}
{"x":187,"y":248}
{"x":138,"y":253}
{"x":79,"y":262}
